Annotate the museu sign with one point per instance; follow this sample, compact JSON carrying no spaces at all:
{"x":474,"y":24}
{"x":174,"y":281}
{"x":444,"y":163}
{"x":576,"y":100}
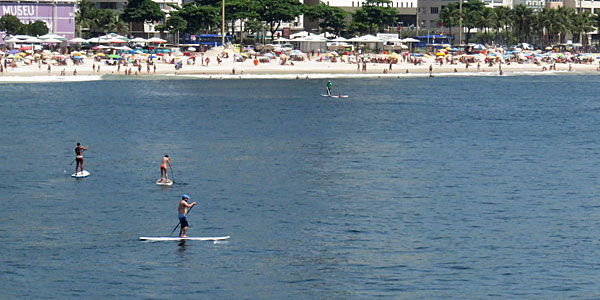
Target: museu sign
{"x":59,"y":18}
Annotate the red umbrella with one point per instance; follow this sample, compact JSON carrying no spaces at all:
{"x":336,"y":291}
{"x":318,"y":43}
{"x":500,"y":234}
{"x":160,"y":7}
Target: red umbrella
{"x":25,"y":48}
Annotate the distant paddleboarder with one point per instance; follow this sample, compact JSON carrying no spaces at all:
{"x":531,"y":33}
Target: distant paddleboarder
{"x":329,"y":84}
{"x":79,"y":156}
{"x":183,"y":210}
{"x":163,"y":168}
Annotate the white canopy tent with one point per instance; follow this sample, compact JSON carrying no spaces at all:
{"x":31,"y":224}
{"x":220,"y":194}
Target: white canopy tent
{"x":311,"y":43}
{"x":299,"y":34}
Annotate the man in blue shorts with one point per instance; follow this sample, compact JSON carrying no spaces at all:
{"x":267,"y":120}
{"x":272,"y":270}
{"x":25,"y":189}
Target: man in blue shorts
{"x":183,"y":210}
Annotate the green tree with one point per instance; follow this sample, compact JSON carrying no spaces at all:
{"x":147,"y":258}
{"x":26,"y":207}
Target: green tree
{"x":501,"y":22}
{"x":107,"y":21}
{"x":472,"y":10}
{"x":566,"y":15}
{"x":241,"y":10}
{"x":142,"y":11}
{"x":11,"y":24}
{"x":85,"y":17}
{"x":374,"y":15}
{"x":485,"y":19}
{"x":198,"y":17}
{"x":582,"y":23}
{"x":330,"y":18}
{"x":449,"y":16}
{"x":36,"y":28}
{"x":275,"y":12}
{"x":522,"y":18}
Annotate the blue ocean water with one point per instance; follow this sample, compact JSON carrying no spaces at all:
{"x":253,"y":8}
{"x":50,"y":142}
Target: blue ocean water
{"x":412,"y":188}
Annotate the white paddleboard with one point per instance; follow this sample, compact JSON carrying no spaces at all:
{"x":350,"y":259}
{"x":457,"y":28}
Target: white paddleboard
{"x":162,"y":239}
{"x":168,"y":182}
{"x":82,"y":174}
{"x":335,"y":96}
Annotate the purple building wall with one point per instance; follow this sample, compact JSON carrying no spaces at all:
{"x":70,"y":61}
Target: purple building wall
{"x":64,"y":15}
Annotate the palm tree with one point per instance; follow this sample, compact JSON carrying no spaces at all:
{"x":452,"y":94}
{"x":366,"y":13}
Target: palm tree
{"x":522,"y":22}
{"x":86,"y":17}
{"x":502,"y":20}
{"x":565,"y":16}
{"x":449,"y":16}
{"x":582,"y":23}
{"x":484,"y":20}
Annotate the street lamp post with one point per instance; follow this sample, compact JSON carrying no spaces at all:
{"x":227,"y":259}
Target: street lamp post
{"x":223,"y":24}
{"x":460,"y":30}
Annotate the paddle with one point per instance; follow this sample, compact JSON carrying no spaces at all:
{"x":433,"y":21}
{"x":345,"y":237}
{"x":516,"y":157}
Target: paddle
{"x":172,"y":177}
{"x":180,"y":221}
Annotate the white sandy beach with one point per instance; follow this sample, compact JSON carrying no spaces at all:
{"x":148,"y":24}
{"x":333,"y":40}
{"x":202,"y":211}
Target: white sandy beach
{"x":299,"y":69}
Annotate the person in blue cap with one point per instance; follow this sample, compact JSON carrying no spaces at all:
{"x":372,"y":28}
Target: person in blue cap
{"x":183,"y":210}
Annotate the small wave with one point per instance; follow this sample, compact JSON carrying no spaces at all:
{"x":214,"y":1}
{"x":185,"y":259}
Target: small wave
{"x":44,"y":79}
{"x":359,"y":75}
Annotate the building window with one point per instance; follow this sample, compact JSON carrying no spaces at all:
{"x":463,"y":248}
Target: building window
{"x":108,"y":5}
{"x":434,"y":10}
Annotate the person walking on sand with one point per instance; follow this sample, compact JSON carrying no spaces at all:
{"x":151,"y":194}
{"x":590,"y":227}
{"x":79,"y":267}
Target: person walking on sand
{"x":183,"y":210}
{"x":79,"y":156}
{"x":163,"y":169}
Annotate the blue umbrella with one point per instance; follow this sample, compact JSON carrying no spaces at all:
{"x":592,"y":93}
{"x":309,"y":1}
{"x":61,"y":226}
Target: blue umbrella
{"x":14,"y":51}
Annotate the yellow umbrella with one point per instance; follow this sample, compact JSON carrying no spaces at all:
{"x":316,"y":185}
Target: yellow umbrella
{"x":440,"y":54}
{"x":101,"y":54}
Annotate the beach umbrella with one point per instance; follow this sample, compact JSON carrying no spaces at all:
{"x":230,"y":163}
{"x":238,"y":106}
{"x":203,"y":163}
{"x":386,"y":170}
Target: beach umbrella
{"x":13,"y":40}
{"x":138,"y":40}
{"x":152,"y":56}
{"x":77,"y":41}
{"x":52,"y":36}
{"x":14,"y":51}
{"x":116,"y":41}
{"x":191,"y":49}
{"x":113,"y":56}
{"x":156,"y":41}
{"x":32,"y":40}
{"x":52,"y":41}
{"x":410,"y":40}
